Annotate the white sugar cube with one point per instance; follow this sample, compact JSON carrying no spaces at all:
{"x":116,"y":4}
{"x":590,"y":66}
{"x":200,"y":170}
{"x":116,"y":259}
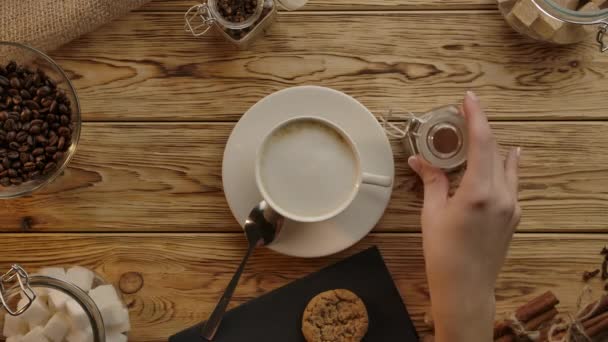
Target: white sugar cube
{"x":14,"y":326}
{"x":36,"y":314}
{"x":104,"y":295}
{"x":116,"y":338}
{"x":81,"y":277}
{"x":57,"y":300}
{"x":57,"y":327}
{"x":16,"y":338}
{"x":80,"y":335}
{"x":114,"y":314}
{"x":35,"y":335}
{"x":53,"y":272}
{"x":78,"y":317}
{"x":124,"y":325}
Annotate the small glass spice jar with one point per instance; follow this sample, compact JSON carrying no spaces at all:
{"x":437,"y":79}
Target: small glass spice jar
{"x":558,"y":21}
{"x":25,"y":297}
{"x":439,"y":136}
{"x":239,"y":26}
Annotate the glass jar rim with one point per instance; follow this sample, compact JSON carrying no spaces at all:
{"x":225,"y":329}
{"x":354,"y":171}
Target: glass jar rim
{"x":74,"y":292}
{"x":551,"y":8}
{"x":215,"y":13}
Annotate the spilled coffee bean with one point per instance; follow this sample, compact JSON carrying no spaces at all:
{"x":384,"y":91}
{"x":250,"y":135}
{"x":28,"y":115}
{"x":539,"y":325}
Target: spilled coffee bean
{"x":35,"y":124}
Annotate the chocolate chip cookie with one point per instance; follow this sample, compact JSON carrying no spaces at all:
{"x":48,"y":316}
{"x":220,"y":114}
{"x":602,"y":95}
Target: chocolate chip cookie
{"x":335,"y":316}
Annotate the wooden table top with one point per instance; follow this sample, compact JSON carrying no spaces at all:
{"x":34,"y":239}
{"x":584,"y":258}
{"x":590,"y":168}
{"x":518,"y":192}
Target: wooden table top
{"x":144,"y":192}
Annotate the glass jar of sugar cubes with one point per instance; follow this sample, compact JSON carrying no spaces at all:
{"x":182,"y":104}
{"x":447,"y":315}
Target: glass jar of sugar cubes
{"x":558,"y":21}
{"x":60,"y":305}
{"x":239,"y":22}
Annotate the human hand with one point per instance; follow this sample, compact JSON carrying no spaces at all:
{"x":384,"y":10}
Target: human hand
{"x":466,"y":236}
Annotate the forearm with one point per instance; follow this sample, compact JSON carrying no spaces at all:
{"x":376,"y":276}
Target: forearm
{"x":464,"y":319}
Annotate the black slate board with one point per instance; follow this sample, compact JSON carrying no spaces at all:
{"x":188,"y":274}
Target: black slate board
{"x":277,"y":315}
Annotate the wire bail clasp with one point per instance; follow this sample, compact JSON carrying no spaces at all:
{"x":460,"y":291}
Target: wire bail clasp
{"x":198,"y":20}
{"x":603,"y":28}
{"x":19,"y":276}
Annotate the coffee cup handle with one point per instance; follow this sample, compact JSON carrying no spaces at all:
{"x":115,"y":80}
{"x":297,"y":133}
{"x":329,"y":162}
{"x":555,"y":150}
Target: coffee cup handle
{"x":377,"y":180}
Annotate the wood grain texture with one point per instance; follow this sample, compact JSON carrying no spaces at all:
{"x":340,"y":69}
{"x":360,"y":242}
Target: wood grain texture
{"x":347,"y":5}
{"x":144,"y":67}
{"x":184,"y":275}
{"x":167,"y":177}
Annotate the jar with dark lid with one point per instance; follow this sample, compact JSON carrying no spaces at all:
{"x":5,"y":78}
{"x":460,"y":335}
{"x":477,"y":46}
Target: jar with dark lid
{"x":558,"y":21}
{"x":439,"y":136}
{"x":242,"y":28}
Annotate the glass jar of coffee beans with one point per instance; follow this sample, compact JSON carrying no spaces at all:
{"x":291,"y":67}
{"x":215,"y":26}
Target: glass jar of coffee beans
{"x":238,"y":21}
{"x":39,"y":120}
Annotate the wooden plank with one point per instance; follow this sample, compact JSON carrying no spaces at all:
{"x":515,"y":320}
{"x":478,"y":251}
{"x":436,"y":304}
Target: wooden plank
{"x":167,"y":177}
{"x":184,"y":275}
{"x":347,"y":5}
{"x":144,"y":67}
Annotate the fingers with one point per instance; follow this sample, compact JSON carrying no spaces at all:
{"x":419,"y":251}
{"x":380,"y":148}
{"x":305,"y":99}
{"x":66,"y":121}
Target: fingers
{"x":482,"y":151}
{"x":512,"y":170}
{"x":436,"y":184}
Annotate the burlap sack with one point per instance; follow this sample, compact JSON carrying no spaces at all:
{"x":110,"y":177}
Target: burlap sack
{"x":48,"y":24}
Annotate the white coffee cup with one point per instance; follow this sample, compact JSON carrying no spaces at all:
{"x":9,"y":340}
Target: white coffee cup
{"x":309,"y":170}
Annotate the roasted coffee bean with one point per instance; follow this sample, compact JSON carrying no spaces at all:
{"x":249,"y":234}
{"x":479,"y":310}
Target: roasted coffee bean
{"x":64,"y":131}
{"x":63,"y":109}
{"x":25,"y":94}
{"x":43,"y":91}
{"x":31,"y":104}
{"x":53,"y":140}
{"x":61,"y":143}
{"x":15,"y":83}
{"x":14,"y":145}
{"x":37,"y":151}
{"x":35,"y":124}
{"x":26,"y":115}
{"x":53,"y":108}
{"x":40,"y":139}
{"x":35,"y":130}
{"x":21,"y":137}
{"x":24,"y":157}
{"x":9,"y":125}
{"x":64,"y":120}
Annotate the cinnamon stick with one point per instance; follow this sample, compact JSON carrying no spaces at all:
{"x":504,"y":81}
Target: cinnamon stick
{"x":502,"y":328}
{"x":597,"y":308}
{"x":506,"y":338}
{"x":536,"y":306}
{"x":594,"y":320}
{"x":538,"y":321}
{"x":597,"y":329}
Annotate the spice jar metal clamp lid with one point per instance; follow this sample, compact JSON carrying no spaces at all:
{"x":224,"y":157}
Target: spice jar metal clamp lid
{"x":202,"y":17}
{"x":16,"y":283}
{"x":439,"y":136}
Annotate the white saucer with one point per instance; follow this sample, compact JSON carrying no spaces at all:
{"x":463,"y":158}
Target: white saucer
{"x":310,"y":240}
